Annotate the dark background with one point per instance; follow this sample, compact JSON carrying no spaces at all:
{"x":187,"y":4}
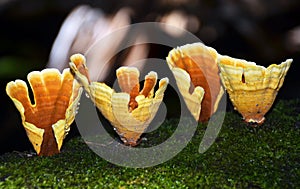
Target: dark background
{"x":259,"y":31}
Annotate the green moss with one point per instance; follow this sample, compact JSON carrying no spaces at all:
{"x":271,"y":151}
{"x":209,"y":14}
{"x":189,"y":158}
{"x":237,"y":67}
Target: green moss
{"x":242,"y":157}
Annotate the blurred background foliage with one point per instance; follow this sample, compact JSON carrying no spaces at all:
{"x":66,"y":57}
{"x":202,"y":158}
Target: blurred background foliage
{"x":265,"y":32}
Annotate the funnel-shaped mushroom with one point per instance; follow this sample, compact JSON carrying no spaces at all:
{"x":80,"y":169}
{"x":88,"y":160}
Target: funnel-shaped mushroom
{"x":130,"y":111}
{"x":252,"y":89}
{"x":195,"y":68}
{"x":48,"y":120}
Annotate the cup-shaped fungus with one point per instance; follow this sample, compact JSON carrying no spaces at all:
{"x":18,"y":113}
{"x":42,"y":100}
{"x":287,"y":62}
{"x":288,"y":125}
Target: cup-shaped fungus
{"x":252,"y":88}
{"x":48,"y":120}
{"x":195,"y":69}
{"x":130,"y":111}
